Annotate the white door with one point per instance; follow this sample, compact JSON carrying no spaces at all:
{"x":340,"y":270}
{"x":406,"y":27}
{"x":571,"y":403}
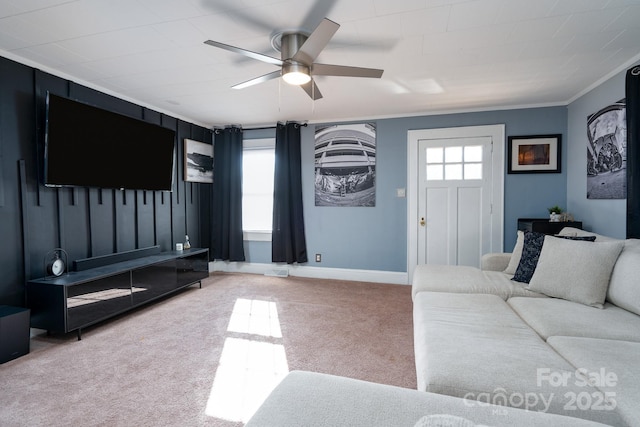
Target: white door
{"x":455,"y":203}
{"x":454,"y":199}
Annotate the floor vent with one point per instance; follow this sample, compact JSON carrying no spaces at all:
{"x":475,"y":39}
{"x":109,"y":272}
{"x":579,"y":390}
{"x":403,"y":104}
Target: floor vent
{"x":280,"y":272}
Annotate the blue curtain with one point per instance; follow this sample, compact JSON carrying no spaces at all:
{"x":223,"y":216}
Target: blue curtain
{"x":633,"y":152}
{"x":226,"y":210}
{"x":288,"y":243}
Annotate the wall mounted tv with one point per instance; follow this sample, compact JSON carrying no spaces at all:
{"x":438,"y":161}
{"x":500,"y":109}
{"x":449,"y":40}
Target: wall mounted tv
{"x":86,"y":146}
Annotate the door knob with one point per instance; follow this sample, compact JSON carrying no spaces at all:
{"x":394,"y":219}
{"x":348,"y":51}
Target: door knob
{"x":422,"y":222}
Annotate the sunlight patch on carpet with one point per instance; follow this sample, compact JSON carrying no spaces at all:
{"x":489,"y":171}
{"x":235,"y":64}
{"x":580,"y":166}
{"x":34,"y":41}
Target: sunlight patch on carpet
{"x":250,"y":367}
{"x":255,"y":317}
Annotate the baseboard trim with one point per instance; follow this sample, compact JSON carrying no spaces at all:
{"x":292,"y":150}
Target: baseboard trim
{"x":376,"y":276}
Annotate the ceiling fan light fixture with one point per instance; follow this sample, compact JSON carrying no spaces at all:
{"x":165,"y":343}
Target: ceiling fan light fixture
{"x":298,"y":52}
{"x":296,"y":74}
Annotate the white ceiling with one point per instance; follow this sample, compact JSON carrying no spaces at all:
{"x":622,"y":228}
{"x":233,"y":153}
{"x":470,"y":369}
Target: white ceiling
{"x":438,"y":55}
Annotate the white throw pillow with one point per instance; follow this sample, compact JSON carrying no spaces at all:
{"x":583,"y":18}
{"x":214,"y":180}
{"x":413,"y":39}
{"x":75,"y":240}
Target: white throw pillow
{"x":515,"y":255}
{"x":575,"y":270}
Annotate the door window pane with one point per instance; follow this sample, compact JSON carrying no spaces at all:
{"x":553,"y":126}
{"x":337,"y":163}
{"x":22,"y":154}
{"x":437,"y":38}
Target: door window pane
{"x":434,"y":173}
{"x":454,"y":163}
{"x":452,"y":172}
{"x":453,"y":154}
{"x":473,"y":171}
{"x":434,"y":155}
{"x":473,"y":153}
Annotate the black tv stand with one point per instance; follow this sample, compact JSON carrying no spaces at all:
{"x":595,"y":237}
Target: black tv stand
{"x":110,"y":285}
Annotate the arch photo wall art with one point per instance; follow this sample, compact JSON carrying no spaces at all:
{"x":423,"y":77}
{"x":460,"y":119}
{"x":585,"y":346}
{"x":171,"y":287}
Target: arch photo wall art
{"x":345,"y":165}
{"x":198,"y":161}
{"x":607,"y":152}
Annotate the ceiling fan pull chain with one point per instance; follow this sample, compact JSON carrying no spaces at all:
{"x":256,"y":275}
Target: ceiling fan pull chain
{"x":280,"y":95}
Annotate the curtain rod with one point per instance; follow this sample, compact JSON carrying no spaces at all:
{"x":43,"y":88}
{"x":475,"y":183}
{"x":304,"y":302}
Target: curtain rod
{"x":272,"y":127}
{"x":218,"y":130}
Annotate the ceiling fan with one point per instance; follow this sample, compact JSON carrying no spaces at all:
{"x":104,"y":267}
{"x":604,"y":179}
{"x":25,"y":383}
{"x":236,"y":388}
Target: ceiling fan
{"x":298,"y":51}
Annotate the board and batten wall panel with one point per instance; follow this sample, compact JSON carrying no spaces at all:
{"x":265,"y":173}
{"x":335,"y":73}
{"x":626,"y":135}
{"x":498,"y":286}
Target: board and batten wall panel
{"x":125,"y":220}
{"x":86,"y":222}
{"x":146,"y":232}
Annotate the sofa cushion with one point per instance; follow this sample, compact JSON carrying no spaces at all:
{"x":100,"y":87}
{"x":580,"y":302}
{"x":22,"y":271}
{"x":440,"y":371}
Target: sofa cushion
{"x":531,"y":249}
{"x":466,"y":279}
{"x":495,"y":261}
{"x":624,"y":287}
{"x":575,"y":270}
{"x":515,"y":254}
{"x":476,"y":347}
{"x":551,"y":316}
{"x":320,"y":400}
{"x":616,"y":367}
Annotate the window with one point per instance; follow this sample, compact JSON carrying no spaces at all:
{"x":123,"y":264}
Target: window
{"x":454,"y":163}
{"x":258,"y":161}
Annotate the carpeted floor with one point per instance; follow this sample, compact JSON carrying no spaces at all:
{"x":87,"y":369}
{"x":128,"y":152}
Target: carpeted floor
{"x":207,"y":357}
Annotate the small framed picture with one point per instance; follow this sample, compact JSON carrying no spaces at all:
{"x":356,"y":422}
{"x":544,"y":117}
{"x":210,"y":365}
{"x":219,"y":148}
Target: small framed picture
{"x":198,"y":161}
{"x":534,"y":154}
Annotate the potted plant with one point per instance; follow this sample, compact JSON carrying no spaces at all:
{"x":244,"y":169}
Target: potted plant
{"x":554,"y":213}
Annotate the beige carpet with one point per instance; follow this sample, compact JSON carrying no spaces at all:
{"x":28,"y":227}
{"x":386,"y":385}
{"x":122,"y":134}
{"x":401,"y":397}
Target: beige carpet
{"x":207,"y":357}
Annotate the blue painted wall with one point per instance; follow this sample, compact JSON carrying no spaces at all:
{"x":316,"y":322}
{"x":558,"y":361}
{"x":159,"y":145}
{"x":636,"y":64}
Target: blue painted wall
{"x":375,"y":238}
{"x":608,"y":217}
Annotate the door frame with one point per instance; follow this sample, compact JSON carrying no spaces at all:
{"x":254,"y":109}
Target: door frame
{"x":497,"y":134}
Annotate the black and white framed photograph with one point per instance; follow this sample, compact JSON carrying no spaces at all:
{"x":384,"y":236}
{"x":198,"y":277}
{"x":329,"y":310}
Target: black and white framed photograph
{"x":198,"y":161}
{"x":345,"y":165}
{"x":534,"y":153}
{"x":607,"y":152}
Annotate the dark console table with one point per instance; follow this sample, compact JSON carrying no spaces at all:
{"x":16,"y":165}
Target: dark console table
{"x":81,"y":298}
{"x":545,"y":226}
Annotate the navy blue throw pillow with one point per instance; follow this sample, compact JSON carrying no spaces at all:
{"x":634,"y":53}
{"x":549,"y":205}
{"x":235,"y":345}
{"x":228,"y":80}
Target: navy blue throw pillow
{"x":530,"y":253}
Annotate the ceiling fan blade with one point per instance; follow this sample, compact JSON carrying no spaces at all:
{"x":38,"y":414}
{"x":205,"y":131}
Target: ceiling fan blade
{"x":248,"y":53}
{"x":233,"y":8}
{"x":316,"y":41}
{"x":318,"y":11}
{"x":345,"y":71}
{"x":312,"y":90}
{"x":272,"y":75}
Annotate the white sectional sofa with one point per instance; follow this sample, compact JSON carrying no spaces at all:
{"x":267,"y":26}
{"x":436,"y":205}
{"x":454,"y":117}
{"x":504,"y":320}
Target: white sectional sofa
{"x":562,"y":350}
{"x":568,"y":342}
{"x":311,"y":399}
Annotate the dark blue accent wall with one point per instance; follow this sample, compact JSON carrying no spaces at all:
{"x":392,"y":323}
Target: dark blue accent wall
{"x":85,"y":222}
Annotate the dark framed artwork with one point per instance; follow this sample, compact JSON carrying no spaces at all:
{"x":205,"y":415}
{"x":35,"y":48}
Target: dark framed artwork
{"x":198,"y":161}
{"x":534,"y":153}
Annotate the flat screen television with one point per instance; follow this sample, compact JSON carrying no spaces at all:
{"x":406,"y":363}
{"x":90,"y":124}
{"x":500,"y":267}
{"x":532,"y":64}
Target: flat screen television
{"x":86,"y":146}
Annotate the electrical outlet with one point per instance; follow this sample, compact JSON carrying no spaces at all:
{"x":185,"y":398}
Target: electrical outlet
{"x":318,"y":257}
